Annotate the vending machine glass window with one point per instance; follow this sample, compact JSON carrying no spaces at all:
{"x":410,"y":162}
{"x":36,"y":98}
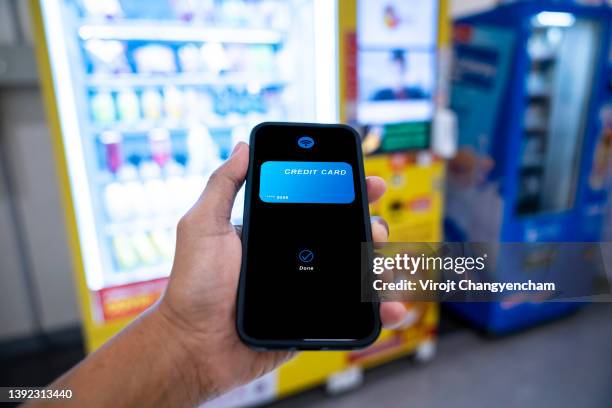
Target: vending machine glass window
{"x":151,"y":98}
{"x":562,"y":52}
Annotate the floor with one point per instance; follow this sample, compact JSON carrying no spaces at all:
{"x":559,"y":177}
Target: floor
{"x":36,"y":369}
{"x":566,"y":363}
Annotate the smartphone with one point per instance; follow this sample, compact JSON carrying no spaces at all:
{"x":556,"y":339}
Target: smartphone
{"x":305,"y":221}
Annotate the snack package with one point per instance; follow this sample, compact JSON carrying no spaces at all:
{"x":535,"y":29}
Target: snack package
{"x":155,"y":59}
{"x":107,"y":57}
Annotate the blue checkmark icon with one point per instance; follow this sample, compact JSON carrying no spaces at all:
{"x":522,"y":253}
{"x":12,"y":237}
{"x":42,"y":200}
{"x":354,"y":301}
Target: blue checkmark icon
{"x":306,"y":255}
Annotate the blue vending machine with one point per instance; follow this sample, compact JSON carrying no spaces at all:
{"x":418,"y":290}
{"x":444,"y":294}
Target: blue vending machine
{"x":532,"y":88}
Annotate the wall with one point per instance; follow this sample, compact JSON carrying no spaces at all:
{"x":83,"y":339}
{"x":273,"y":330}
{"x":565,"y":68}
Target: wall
{"x":36,"y":287}
{"x":15,"y":315}
{"x":36,"y":194}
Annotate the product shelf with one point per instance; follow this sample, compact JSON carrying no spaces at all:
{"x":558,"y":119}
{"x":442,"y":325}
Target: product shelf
{"x":151,"y":30}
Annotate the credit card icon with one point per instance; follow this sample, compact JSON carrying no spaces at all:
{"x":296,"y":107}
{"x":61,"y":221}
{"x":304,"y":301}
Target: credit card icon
{"x":306,"y":182}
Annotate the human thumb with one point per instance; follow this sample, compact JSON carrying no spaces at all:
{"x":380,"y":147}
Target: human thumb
{"x":214,"y":207}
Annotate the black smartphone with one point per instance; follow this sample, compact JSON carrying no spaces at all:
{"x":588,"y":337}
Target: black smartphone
{"x":305,"y":219}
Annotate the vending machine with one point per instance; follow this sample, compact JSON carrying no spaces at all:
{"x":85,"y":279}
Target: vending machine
{"x":389,"y":91}
{"x":145,"y":100}
{"x":531,"y":88}
{"x":415,"y":179}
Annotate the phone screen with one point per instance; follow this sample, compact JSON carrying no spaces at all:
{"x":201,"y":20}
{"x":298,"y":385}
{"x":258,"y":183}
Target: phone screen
{"x":306,"y":217}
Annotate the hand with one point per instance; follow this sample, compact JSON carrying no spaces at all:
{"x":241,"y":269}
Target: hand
{"x":198,"y":308}
{"x":468,"y":169}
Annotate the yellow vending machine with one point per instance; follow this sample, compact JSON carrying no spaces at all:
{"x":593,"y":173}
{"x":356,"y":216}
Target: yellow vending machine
{"x":145,"y":100}
{"x":390,"y":88}
{"x":371,"y":34}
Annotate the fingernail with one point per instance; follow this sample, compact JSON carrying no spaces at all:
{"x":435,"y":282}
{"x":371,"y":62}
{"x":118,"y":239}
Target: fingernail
{"x":236,"y":148}
{"x":408,"y":320}
{"x":381,"y":221}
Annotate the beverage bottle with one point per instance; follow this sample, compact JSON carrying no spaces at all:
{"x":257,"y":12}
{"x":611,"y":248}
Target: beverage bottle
{"x":161,"y":146}
{"x":112,"y":148}
{"x":155,"y":189}
{"x":103,"y":107}
{"x":173,"y":103}
{"x":133,"y":190}
{"x":144,"y":248}
{"x":128,"y":106}
{"x":163,"y":243}
{"x":151,"y":104}
{"x":204,"y":155}
{"x":177,"y":187}
{"x":124,"y":252}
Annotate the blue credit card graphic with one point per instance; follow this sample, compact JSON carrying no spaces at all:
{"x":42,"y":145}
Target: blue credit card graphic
{"x":306,"y":182}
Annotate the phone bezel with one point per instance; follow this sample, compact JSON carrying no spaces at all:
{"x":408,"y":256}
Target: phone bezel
{"x":303,"y":344}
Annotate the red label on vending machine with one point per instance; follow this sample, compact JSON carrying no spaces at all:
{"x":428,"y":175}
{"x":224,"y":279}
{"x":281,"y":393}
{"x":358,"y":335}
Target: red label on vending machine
{"x":129,"y":300}
{"x":351,"y":67}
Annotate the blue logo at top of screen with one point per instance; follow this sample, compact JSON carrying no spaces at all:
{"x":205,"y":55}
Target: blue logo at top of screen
{"x":306,"y":142}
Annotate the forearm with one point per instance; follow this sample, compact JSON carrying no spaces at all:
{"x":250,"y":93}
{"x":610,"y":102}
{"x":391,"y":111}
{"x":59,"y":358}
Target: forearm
{"x":145,"y":365}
